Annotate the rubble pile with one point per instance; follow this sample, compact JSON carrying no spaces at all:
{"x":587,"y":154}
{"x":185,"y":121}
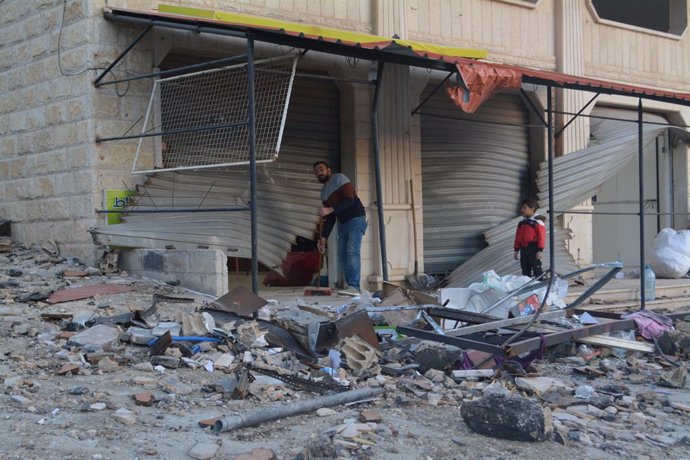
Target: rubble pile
{"x":104,"y":365}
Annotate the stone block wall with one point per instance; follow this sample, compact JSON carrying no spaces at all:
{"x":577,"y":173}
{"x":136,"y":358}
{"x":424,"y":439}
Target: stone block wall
{"x":52,"y":172}
{"x":45,"y":122}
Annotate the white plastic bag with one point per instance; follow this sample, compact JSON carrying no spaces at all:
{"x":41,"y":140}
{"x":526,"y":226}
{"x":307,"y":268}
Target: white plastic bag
{"x":671,"y":253}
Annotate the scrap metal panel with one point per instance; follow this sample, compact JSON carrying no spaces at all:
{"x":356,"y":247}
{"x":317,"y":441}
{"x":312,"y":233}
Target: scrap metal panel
{"x":475,"y":172}
{"x":577,"y":177}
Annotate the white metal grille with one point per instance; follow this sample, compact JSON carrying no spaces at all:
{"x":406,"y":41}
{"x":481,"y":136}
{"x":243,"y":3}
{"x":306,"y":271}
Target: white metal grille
{"x":202,"y":116}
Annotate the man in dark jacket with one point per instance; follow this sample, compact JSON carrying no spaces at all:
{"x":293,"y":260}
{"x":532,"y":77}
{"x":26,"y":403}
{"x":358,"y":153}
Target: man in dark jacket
{"x":341,"y":204}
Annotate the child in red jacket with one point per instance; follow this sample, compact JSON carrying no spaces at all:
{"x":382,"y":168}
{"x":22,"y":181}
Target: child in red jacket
{"x":529,"y":239}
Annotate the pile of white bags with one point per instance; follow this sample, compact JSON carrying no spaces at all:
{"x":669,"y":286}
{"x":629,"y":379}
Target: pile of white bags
{"x":670,"y":256}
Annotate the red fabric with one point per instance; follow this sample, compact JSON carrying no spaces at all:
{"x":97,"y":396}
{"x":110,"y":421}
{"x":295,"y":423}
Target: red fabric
{"x":298,"y":270}
{"x":530,"y":231}
{"x":482,"y":82}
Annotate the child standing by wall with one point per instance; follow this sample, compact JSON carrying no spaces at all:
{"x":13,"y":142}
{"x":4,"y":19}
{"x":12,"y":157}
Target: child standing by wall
{"x":529,"y":239}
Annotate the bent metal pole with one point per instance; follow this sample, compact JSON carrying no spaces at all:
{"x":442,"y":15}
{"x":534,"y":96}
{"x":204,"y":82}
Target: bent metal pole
{"x":281,"y":411}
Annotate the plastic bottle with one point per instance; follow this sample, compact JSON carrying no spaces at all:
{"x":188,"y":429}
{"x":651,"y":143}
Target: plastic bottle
{"x":649,"y":283}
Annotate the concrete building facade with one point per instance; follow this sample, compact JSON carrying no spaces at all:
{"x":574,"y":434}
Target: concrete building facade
{"x":53,"y":173}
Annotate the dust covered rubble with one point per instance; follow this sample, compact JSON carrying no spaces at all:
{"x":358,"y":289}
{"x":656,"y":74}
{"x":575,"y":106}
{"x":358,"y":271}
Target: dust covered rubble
{"x":81,"y":378}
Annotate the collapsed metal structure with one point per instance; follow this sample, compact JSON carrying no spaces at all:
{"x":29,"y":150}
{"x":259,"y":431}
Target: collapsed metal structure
{"x":462,"y":66}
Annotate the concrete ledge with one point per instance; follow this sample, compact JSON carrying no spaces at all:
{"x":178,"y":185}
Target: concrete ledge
{"x":203,"y":270}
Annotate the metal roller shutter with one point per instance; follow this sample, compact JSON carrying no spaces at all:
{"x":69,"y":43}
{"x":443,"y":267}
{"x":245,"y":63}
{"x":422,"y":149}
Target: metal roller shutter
{"x":475,"y":172}
{"x":287,"y":193}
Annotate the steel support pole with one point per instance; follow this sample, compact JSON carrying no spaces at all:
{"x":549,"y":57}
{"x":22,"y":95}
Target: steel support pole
{"x":640,"y":162}
{"x":550,"y":146}
{"x":658,"y":189}
{"x":251,"y":128}
{"x":377,"y":169}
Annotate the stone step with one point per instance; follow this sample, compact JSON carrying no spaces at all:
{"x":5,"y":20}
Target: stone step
{"x":672,"y":304}
{"x":631,"y":294}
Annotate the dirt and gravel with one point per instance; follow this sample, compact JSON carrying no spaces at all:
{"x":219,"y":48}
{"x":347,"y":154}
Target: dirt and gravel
{"x":89,"y":412}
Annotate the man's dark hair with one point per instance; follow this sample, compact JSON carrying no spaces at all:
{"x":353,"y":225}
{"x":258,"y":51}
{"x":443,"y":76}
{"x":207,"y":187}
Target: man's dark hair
{"x":320,"y":162}
{"x":530,"y":203}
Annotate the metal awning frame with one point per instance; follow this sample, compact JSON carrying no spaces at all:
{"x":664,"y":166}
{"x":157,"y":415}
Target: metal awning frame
{"x":550,"y":80}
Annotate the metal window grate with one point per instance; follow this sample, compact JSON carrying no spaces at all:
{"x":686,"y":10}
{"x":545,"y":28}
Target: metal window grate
{"x":199,"y":120}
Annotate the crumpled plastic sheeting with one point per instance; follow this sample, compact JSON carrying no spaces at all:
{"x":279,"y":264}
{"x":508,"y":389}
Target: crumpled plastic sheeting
{"x":651,"y":325}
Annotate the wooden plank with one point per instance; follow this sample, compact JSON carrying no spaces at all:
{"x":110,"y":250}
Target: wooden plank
{"x":617,"y":342}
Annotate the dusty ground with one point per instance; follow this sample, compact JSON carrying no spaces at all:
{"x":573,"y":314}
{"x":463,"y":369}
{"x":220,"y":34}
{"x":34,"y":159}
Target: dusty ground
{"x":46,"y":415}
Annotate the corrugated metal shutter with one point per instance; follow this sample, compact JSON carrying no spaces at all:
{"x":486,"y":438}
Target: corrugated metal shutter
{"x":475,"y":172}
{"x":287,"y":193}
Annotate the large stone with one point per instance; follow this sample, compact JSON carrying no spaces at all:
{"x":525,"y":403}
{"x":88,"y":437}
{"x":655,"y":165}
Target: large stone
{"x":514,"y":418}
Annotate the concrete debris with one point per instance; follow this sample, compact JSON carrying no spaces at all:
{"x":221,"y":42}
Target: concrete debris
{"x":540,"y":385}
{"x":259,"y":453}
{"x":677,"y":378}
{"x":125,"y":416}
{"x":203,"y":451}
{"x":95,"y":337}
{"x":360,"y":356}
{"x":434,"y":355}
{"x":93,"y":369}
{"x":514,"y":418}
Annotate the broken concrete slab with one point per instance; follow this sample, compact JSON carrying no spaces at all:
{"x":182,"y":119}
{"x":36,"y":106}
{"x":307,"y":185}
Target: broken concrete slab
{"x":541,"y":385}
{"x":676,"y":378}
{"x":140,"y":335}
{"x":513,"y":418}
{"x":224,"y":361}
{"x":97,"y":336}
{"x":167,"y":326}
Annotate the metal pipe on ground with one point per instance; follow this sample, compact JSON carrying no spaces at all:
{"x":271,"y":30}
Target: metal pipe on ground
{"x":278,"y":412}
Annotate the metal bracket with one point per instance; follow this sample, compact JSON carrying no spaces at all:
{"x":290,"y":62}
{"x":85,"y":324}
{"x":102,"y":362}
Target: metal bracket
{"x":123,"y":54}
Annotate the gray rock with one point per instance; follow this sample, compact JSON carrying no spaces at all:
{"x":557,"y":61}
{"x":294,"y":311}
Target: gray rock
{"x":96,"y":336}
{"x":514,"y":418}
{"x":125,"y":416}
{"x":435,"y":375}
{"x":21,"y":400}
{"x":171,"y":362}
{"x":203,"y":451}
{"x":320,"y":447}
{"x":108,"y":365}
{"x":173,"y":385}
{"x":433,"y":355}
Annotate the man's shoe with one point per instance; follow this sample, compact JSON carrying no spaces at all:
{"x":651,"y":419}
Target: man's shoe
{"x":350,"y":291}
